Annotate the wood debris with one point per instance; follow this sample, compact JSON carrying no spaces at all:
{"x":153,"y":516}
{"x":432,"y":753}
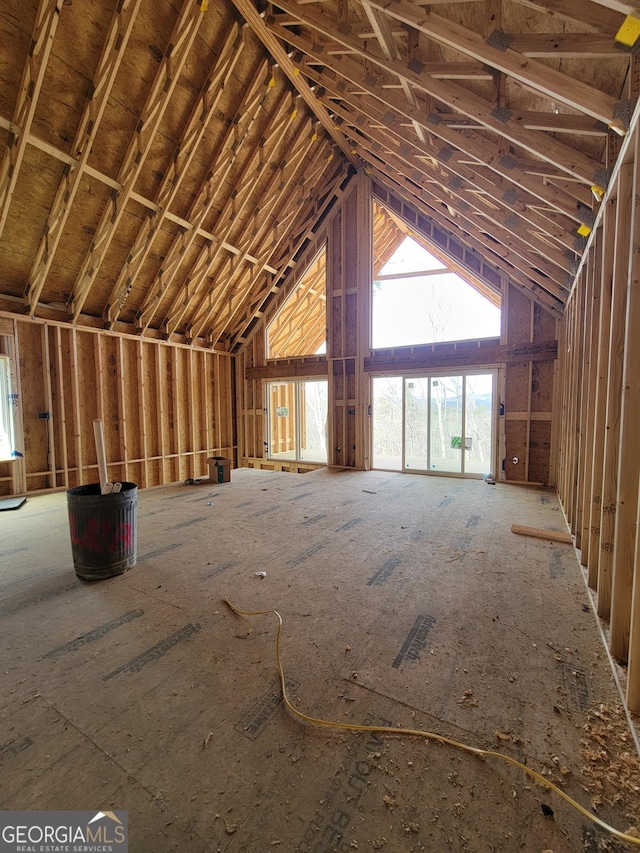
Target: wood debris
{"x":611,"y":771}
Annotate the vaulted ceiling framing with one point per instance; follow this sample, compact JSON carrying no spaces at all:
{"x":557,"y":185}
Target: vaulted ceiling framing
{"x":163,"y":164}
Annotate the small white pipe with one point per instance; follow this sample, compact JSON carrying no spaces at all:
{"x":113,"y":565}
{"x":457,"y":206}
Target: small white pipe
{"x":102,"y":459}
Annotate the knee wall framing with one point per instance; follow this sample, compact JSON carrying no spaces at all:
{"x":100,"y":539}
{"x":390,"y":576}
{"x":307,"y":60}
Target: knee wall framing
{"x":165,"y":408}
{"x":599,"y":464}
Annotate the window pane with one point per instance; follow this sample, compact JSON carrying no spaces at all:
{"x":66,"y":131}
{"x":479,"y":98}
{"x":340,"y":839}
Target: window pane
{"x":387,"y":423}
{"x":6,"y":410}
{"x":313,"y":421}
{"x":416,"y":430}
{"x":446,"y":440}
{"x":479,"y":407}
{"x":282,"y":420}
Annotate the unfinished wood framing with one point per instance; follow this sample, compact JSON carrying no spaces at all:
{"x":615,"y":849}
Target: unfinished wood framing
{"x":599,"y":468}
{"x":149,"y":395}
{"x":177,"y":177}
{"x":525,"y":356}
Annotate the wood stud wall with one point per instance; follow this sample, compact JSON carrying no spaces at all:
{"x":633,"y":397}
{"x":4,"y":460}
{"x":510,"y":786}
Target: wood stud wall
{"x":599,"y":463}
{"x":165,"y":408}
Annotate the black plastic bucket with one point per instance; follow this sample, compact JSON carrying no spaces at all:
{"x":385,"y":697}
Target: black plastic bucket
{"x":103,"y":530}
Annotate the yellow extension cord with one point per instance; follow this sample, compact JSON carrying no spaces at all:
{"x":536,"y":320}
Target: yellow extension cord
{"x":483,"y":753}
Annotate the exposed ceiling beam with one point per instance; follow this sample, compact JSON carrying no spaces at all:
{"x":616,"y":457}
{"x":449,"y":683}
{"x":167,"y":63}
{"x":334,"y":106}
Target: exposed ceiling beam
{"x":230,"y":147}
{"x":204,"y":109}
{"x":550,"y":122}
{"x":511,"y":237}
{"x":157,"y":103}
{"x":215,"y":310}
{"x":481,"y":150}
{"x":255,"y":21}
{"x":44,"y":30}
{"x":389,"y":48}
{"x":568,"y":45}
{"x":496,"y":52}
{"x":366,"y":112}
{"x":281,"y":164}
{"x":109,"y":64}
{"x":559,"y":154}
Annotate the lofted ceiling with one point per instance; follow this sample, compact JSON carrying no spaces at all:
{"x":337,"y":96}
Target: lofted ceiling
{"x":163,"y":163}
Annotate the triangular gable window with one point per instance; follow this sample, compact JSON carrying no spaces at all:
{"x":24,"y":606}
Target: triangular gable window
{"x":418,"y":298}
{"x":300,"y":326}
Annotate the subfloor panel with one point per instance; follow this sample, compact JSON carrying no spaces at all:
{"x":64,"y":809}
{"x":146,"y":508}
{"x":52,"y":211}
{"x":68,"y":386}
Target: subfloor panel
{"x":406,"y":602}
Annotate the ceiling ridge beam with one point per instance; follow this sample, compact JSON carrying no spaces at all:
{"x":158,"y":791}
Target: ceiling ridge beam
{"x":202,"y":112}
{"x":44,"y":30}
{"x":173,"y":60}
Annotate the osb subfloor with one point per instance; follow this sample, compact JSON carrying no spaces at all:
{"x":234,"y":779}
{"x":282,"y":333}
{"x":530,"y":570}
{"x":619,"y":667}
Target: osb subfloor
{"x":406,"y":601}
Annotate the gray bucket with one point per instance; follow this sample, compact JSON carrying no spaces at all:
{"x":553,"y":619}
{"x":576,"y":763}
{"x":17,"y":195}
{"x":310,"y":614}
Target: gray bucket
{"x":103,"y":530}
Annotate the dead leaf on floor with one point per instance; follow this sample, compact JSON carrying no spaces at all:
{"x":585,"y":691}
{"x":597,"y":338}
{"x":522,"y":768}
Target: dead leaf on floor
{"x":389,"y":801}
{"x":502,"y":735}
{"x":207,"y":739}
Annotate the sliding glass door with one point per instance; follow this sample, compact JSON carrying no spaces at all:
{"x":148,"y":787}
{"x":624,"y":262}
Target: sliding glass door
{"x":434,"y":424}
{"x":297,"y":420}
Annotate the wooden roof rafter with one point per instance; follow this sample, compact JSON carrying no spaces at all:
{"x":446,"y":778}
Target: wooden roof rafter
{"x":283,"y":180}
{"x":554,"y":279}
{"x":185,"y":301}
{"x":204,"y":110}
{"x":263,"y":286}
{"x":120,"y":28}
{"x":468,"y":204}
{"x":482,"y":149}
{"x":542,"y":78}
{"x":230,"y":147}
{"x":44,"y":30}
{"x":541,"y":145}
{"x":255,"y":21}
{"x":458,"y":181}
{"x":176,"y":54}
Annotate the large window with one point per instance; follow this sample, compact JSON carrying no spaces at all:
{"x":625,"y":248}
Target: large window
{"x":6,"y":410}
{"x":417,"y":298}
{"x":436,"y":424}
{"x":297,"y":418}
{"x":300,"y":325}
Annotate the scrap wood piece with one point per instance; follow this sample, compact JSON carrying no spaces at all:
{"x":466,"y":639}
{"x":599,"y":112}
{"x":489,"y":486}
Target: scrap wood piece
{"x":538,"y":533}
